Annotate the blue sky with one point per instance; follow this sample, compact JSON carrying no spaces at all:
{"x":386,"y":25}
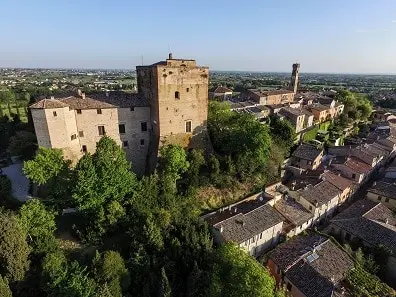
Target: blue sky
{"x":338,"y":36}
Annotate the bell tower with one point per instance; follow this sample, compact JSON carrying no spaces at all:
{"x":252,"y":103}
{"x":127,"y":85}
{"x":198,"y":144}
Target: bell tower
{"x":294,"y":77}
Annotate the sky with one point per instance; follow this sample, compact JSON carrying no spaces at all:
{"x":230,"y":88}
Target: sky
{"x":337,"y":36}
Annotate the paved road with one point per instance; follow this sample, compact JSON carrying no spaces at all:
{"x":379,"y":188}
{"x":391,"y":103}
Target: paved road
{"x":20,"y":183}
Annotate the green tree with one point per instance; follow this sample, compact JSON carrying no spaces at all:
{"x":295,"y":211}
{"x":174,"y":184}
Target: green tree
{"x":173,"y":161}
{"x":235,"y":273}
{"x":63,"y":279}
{"x":4,"y":288}
{"x":282,"y":132}
{"x":5,"y":187}
{"x":196,"y":160}
{"x":111,"y":273}
{"x":240,"y":136}
{"x":14,"y":250}
{"x":113,"y":170}
{"x":85,"y":192}
{"x":214,"y":166}
{"x":39,"y":224}
{"x":164,"y":289}
{"x":23,"y":144}
{"x":7,"y":96}
{"x":47,"y":164}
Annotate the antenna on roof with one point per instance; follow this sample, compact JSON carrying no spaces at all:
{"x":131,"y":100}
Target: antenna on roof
{"x":170,"y":53}
{"x":142,"y":59}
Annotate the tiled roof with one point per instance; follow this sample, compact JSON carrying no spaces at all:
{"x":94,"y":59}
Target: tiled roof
{"x":325,"y":100}
{"x":340,"y":182}
{"x":287,"y":111}
{"x":319,"y":194}
{"x":95,"y":100}
{"x":307,"y":152}
{"x":221,"y":89}
{"x":316,"y":278}
{"x":371,"y":221}
{"x":121,"y":99}
{"x":319,"y":107}
{"x":269,"y":93}
{"x":384,"y":189}
{"x":242,"y":227}
{"x":84,"y":103}
{"x":293,"y":211}
{"x":357,"y":165}
{"x":48,"y":103}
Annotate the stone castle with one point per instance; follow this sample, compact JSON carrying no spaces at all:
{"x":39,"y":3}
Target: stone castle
{"x":171,"y":107}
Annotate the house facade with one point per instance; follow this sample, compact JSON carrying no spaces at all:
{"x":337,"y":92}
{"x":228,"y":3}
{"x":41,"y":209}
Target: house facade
{"x":253,"y":225}
{"x":307,"y":157}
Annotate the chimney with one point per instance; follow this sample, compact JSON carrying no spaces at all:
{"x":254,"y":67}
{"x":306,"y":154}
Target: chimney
{"x":170,"y":56}
{"x":386,"y":221}
{"x":221,"y":229}
{"x":79,"y":92}
{"x":82,"y":95}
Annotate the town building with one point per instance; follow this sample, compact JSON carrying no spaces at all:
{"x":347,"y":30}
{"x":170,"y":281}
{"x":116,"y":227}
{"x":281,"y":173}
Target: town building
{"x":221,"y":93}
{"x":295,"y":116}
{"x":345,"y":185}
{"x":383,"y":191}
{"x":297,"y":218}
{"x":273,"y":97}
{"x":307,"y":156}
{"x":171,"y":106}
{"x":352,"y":168}
{"x":321,"y":199}
{"x":253,"y":225}
{"x":310,"y":266}
{"x":370,"y":224}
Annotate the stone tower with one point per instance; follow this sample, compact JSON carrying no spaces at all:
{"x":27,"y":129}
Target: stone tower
{"x":294,"y":77}
{"x":177,"y":90}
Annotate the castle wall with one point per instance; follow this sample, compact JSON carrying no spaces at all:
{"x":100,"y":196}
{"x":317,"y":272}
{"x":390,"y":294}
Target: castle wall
{"x":191,"y":106}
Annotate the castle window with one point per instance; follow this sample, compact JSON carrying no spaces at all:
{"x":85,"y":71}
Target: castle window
{"x":121,"y":128}
{"x":79,"y":111}
{"x":101,"y":130}
{"x":125,"y":143}
{"x":54,"y":113}
{"x":177,"y":95}
{"x":188,"y":90}
{"x":386,"y":199}
{"x":141,"y":141}
{"x":99,"y":111}
{"x":84,"y":148}
{"x":80,"y":133}
{"x":143,"y":126}
{"x":132,"y":108}
{"x":379,"y":198}
{"x":74,"y":136}
{"x":188,"y":127}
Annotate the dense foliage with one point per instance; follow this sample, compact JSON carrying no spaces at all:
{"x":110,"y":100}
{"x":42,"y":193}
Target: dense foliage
{"x":146,"y":235}
{"x":356,"y":106}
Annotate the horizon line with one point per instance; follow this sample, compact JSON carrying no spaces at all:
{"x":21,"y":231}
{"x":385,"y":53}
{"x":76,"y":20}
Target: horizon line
{"x":243,"y":71}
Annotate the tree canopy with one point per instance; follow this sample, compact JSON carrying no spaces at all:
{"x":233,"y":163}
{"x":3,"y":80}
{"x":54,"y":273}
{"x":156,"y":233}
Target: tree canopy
{"x":234,"y":267}
{"x":14,"y":250}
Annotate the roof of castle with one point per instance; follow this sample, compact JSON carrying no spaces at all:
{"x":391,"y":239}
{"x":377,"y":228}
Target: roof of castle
{"x":94,"y":101}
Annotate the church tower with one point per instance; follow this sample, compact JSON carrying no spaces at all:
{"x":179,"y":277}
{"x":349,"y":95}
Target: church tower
{"x":294,"y":77}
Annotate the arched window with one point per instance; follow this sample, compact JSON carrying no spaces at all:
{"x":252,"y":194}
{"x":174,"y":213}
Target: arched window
{"x":177,"y":95}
